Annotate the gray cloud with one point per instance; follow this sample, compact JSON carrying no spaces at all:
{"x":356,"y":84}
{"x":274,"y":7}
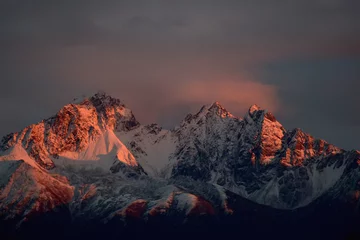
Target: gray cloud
{"x":300,"y":59}
{"x":319,"y":95}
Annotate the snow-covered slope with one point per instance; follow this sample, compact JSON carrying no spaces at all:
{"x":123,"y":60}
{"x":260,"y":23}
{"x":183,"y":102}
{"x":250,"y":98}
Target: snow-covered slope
{"x":26,"y":191}
{"x":17,"y":152}
{"x":103,"y":152}
{"x":81,"y":196}
{"x":152,"y":147}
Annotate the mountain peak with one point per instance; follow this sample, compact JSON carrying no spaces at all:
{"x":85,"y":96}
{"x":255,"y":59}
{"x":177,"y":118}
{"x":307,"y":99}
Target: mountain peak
{"x":254,"y":108}
{"x":215,"y":108}
{"x":216,"y":105}
{"x":210,"y":110}
{"x":102,"y":99}
{"x":98,"y":99}
{"x":110,"y":110}
{"x":73,"y":129}
{"x":258,"y":113}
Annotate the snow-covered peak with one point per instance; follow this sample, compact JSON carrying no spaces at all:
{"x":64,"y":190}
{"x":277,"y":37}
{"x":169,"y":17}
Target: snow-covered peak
{"x":99,"y":100}
{"x":216,"y":105}
{"x":78,"y":131}
{"x":111,"y":112}
{"x":208,"y":111}
{"x":219,"y":110}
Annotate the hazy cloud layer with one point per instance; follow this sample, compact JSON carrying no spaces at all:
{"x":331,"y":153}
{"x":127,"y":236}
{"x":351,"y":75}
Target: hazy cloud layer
{"x":299,"y":59}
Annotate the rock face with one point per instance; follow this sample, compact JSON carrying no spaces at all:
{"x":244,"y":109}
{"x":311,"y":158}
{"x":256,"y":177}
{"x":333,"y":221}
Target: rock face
{"x":97,"y":164}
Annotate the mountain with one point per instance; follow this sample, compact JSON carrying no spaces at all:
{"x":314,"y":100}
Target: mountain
{"x":93,"y":164}
{"x":79,"y":133}
{"x":257,"y":158}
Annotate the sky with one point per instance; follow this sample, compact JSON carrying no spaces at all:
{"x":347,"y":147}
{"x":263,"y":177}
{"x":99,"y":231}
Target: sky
{"x":299,"y":59}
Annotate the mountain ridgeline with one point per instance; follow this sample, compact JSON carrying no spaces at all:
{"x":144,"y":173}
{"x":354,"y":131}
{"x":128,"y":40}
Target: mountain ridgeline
{"x":94,"y":164}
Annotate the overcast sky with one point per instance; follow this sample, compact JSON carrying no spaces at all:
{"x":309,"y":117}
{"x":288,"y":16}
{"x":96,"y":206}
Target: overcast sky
{"x":163,"y":59}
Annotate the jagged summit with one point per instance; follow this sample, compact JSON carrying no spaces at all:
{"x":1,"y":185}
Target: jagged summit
{"x":254,"y":108}
{"x":256,"y":113}
{"x":217,"y":108}
{"x":99,"y":98}
{"x":103,"y":99}
{"x":214,"y":108}
{"x":216,"y":105}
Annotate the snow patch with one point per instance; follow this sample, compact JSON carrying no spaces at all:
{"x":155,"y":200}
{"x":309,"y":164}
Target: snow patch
{"x":103,"y":152}
{"x":17,"y":152}
{"x":323,"y":180}
{"x":157,"y":149}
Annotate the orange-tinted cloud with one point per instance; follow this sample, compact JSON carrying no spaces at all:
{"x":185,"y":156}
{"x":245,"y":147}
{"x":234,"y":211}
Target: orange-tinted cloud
{"x":169,"y":104}
{"x":236,"y":96}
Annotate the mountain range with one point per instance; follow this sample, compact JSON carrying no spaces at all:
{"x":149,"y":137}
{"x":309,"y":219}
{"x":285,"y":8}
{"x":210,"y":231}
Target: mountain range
{"x":93,"y":170}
